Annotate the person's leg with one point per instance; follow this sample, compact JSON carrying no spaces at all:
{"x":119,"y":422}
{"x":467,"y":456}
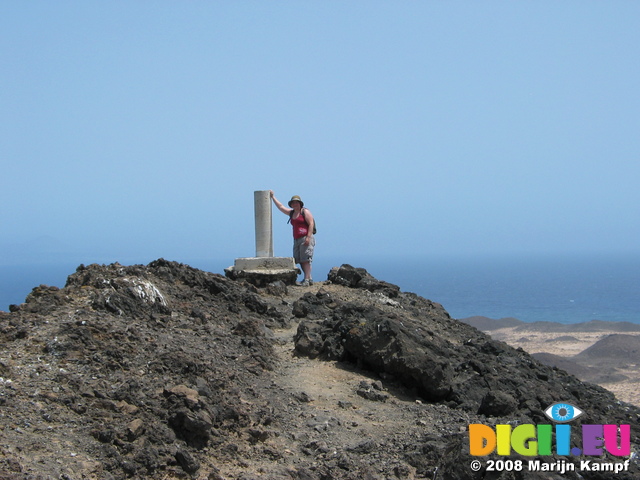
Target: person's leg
{"x":298,"y":255}
{"x":296,"y":251}
{"x":306,"y":257}
{"x":306,"y":268}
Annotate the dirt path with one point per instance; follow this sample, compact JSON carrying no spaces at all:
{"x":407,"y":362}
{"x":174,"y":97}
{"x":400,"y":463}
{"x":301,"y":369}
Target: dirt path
{"x":330,"y":388}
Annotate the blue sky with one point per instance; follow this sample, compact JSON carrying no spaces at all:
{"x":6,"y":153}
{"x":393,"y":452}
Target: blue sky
{"x":133,"y":130}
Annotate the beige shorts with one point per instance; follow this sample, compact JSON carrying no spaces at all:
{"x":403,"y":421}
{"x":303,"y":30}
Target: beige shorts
{"x":303,"y":253}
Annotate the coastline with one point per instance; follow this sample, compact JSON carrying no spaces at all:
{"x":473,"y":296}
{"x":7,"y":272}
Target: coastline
{"x":603,"y":353}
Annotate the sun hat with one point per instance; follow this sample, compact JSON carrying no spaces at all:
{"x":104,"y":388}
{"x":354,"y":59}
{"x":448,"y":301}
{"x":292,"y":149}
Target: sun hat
{"x":296,"y":198}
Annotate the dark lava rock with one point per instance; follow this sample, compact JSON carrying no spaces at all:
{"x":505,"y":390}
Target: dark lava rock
{"x":416,"y":342}
{"x":359,"y":278}
{"x":166,"y":371}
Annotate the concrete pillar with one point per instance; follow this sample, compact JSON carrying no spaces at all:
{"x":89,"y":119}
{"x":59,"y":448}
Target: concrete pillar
{"x":264,"y":268}
{"x":264,"y":227}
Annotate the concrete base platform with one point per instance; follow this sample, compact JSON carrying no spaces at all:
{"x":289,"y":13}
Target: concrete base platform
{"x":261,"y":264}
{"x":261,"y":271}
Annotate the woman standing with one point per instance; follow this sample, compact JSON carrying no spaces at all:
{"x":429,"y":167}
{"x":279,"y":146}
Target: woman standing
{"x":303,"y":240}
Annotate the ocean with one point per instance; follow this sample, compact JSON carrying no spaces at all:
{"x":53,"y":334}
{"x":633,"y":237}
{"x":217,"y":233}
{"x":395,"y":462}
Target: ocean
{"x":564,"y":289}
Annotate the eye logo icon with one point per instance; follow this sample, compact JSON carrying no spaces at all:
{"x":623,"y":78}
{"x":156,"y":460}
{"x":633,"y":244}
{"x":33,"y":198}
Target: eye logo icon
{"x":563,"y":412}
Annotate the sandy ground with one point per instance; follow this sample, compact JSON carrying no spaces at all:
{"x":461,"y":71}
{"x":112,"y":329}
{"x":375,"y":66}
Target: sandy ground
{"x":569,"y":344}
{"x":536,"y":342}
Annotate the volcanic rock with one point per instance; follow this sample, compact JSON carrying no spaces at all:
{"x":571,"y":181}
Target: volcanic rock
{"x":166,"y":371}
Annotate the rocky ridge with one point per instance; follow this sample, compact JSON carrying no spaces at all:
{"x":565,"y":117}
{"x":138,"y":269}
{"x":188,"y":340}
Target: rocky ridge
{"x":165,"y":371}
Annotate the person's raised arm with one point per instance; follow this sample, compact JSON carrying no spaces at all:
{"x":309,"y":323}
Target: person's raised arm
{"x":279,"y":205}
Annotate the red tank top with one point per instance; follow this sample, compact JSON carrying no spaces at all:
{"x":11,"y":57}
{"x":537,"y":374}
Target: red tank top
{"x":300,"y":227}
